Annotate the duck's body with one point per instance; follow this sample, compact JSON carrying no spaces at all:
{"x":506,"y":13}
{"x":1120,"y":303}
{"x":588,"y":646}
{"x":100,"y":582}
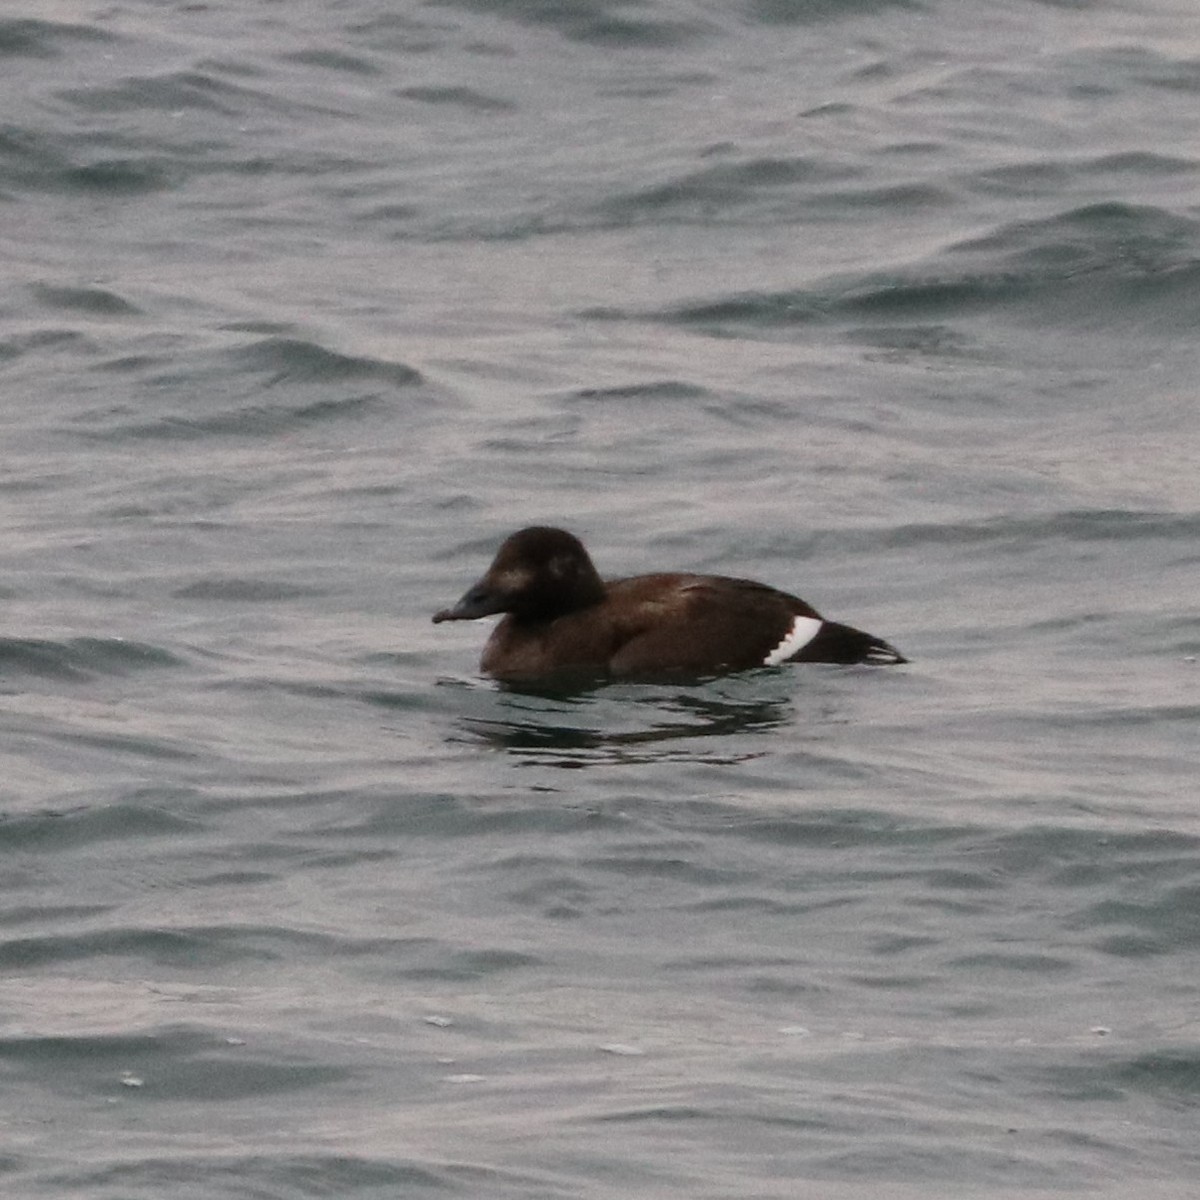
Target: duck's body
{"x":562,"y":617}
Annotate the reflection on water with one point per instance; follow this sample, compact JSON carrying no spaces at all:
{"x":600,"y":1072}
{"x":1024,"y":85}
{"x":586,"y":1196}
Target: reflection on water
{"x":630,"y":722}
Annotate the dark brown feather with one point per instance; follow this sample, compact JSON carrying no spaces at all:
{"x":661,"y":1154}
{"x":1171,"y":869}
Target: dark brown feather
{"x":561,"y":617}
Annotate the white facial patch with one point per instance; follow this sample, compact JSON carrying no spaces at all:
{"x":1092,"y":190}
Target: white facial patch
{"x":512,"y":580}
{"x":803,"y":630}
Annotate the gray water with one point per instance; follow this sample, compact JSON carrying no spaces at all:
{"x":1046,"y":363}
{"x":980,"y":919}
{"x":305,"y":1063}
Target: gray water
{"x":306,"y":306}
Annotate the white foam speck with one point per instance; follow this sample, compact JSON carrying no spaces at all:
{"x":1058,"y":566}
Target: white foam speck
{"x":803,"y":630}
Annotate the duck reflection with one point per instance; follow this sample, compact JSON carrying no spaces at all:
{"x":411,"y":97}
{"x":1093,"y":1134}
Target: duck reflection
{"x":592,"y":724}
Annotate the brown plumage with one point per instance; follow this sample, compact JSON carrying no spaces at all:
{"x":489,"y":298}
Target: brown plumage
{"x":561,"y":616}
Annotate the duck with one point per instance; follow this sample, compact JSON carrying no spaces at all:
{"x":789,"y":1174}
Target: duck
{"x":560,"y":617}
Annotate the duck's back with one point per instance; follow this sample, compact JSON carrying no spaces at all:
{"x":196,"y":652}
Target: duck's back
{"x":658,"y":624}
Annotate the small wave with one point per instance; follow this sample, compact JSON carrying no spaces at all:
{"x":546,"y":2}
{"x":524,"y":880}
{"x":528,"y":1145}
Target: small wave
{"x":81,"y":658}
{"x":659,"y":389}
{"x":55,"y":831}
{"x":595,"y":22}
{"x":244,"y":590}
{"x":303,"y":371}
{"x":765,"y":191}
{"x":1095,"y":265}
{"x":92,"y":300}
{"x":118,"y":176}
{"x":468,"y":964}
{"x":1112,"y":237}
{"x":274,"y":1176}
{"x":51,"y":163}
{"x":333,"y":60}
{"x":1172,"y":75}
{"x":289,"y":360}
{"x":1050,"y":177}
{"x":175,"y":1063}
{"x":200,"y":946}
{"x":458,"y":97}
{"x":253,"y":420}
{"x":166,"y":947}
{"x":37,"y":914}
{"x":812,"y":12}
{"x":1140,"y":162}
{"x":1171,"y":1073}
{"x":99,"y":1047}
{"x":29,"y":37}
{"x":177,"y":92}
{"x":765,"y":183}
{"x":765,"y":309}
{"x":1018,"y":534}
{"x":1078,"y":525}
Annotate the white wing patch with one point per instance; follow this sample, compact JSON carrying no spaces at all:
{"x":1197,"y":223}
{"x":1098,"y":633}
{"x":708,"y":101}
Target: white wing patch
{"x":803,"y":630}
{"x":883,"y":653}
